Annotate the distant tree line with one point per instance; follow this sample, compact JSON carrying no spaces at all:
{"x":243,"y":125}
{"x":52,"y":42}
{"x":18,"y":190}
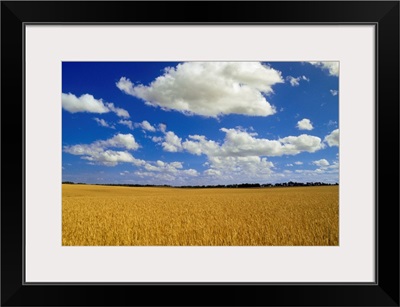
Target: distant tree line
{"x":265,"y":185}
{"x":220,"y":186}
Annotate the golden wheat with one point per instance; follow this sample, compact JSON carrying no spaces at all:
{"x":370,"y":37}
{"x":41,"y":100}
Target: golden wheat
{"x":104,"y":215}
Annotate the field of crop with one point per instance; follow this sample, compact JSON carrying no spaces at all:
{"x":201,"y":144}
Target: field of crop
{"x":104,"y":215}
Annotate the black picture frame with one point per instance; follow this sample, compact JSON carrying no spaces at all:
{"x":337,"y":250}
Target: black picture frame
{"x":383,"y":14}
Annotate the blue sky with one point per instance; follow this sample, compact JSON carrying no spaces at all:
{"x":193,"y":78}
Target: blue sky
{"x":200,"y":123}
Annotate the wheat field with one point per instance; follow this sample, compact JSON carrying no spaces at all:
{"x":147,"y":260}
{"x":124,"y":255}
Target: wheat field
{"x":146,"y":216}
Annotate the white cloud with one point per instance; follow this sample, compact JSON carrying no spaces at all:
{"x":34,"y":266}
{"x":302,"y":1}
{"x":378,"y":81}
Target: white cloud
{"x":162,"y":172}
{"x":210,"y":88}
{"x":293,"y":145}
{"x":332,"y":123}
{"x":172,"y":143}
{"x":145,"y":125}
{"x":98,"y":151}
{"x":190,"y":172}
{"x":157,"y":139}
{"x":332,"y":67}
{"x":293,"y":81}
{"x":103,"y":123}
{"x":108,"y":157}
{"x":289,"y":164}
{"x":325,"y":172}
{"x":240,"y":143}
{"x":241,"y":156}
{"x":334,"y":166}
{"x":298,"y":163}
{"x":198,"y":144}
{"x":162,"y":127}
{"x":212,"y":172}
{"x":160,"y":163}
{"x":87,"y":103}
{"x":334,"y":92}
{"x":238,"y":169}
{"x":333,"y":138}
{"x":296,"y":81}
{"x":156,"y":178}
{"x":321,"y":163}
{"x":121,"y":140}
{"x":127,"y":123}
{"x":167,"y":172}
{"x":176,"y":164}
{"x":120,"y":112}
{"x":304,"y":124}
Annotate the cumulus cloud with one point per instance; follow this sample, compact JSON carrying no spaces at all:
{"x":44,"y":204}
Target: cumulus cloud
{"x":298,"y":163}
{"x":111,"y":157}
{"x":156,"y":178}
{"x":322,"y":162}
{"x":172,"y":143}
{"x":241,"y":155}
{"x":145,"y":125}
{"x":198,"y":144}
{"x":240,"y":167}
{"x":173,"y":168}
{"x":103,"y":123}
{"x":127,"y":123}
{"x":296,"y":81}
{"x":293,"y":145}
{"x":103,"y":152}
{"x":332,"y":123}
{"x":104,"y":157}
{"x":334,"y":166}
{"x":313,"y":174}
{"x":332,"y":67}
{"x":166,"y":172}
{"x":241,"y":143}
{"x":162,"y":127}
{"x":120,"y":112}
{"x":212,"y":172}
{"x":210,"y":89}
{"x":334,"y":92}
{"x":87,"y":103}
{"x":120,"y":140}
{"x":325,"y":172}
{"x":304,"y":124}
{"x":100,"y":153}
{"x":333,"y":138}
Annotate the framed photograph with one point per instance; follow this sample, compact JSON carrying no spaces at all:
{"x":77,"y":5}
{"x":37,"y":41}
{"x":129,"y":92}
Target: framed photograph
{"x":245,"y":148}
